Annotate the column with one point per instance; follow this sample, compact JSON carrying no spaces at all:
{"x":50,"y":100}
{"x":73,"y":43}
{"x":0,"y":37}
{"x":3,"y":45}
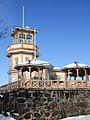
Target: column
{"x":77,"y":74}
{"x":86,"y":75}
{"x":47,"y":74}
{"x":38,"y":73}
{"x":21,"y":73}
{"x":30,"y":72}
{"x":69,"y":77}
{"x":65,"y":83}
{"x":18,"y":75}
{"x":21,"y":77}
{"x":42,"y":73}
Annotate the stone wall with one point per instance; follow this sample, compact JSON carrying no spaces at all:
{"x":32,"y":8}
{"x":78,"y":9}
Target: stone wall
{"x":46,"y":104}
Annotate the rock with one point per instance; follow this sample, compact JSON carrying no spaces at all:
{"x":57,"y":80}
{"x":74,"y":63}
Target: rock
{"x":55,"y":113}
{"x":5,"y":114}
{"x":27,"y":115}
{"x":43,"y":118}
{"x":47,"y":95}
{"x":83,"y":111}
{"x":22,"y":94}
{"x":47,"y":114}
{"x":23,"y":110}
{"x":37,"y":115}
{"x":15,"y":115}
{"x":21,"y":105}
{"x":21,"y":99}
{"x":82,"y":104}
{"x":53,"y":105}
{"x":63,"y":114}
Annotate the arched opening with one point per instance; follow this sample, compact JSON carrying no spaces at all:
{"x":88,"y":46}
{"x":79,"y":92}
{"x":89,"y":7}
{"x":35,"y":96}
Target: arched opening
{"x":26,"y":75}
{"x":34,"y":73}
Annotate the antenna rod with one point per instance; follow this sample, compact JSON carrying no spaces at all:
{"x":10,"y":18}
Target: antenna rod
{"x":23,"y":18}
{"x":35,"y":45}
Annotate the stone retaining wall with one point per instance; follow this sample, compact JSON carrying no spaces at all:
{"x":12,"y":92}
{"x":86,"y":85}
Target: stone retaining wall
{"x":46,"y":104}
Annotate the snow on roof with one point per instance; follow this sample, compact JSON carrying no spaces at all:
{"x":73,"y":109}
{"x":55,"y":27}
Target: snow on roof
{"x":36,"y":62}
{"x":57,"y":68}
{"x":75,"y":65}
{"x":27,"y":28}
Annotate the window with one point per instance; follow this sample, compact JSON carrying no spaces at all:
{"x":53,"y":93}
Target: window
{"x":22,"y":36}
{"x":26,"y":59}
{"x":29,"y":38}
{"x":29,"y":41}
{"x":16,"y":60}
{"x":16,"y":36}
{"x":21,"y":41}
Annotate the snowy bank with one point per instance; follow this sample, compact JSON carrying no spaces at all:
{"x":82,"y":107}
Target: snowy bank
{"x":82,"y":117}
{"x":2,"y":117}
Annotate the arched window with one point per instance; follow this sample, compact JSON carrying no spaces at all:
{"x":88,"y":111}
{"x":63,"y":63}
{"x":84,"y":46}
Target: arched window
{"x":16,"y":60}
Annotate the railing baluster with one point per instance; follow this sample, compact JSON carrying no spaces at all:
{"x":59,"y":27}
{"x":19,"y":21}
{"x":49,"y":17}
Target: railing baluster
{"x":46,"y":84}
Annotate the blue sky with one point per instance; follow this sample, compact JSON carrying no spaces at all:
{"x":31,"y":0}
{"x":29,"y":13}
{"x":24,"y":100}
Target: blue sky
{"x":64,"y":27}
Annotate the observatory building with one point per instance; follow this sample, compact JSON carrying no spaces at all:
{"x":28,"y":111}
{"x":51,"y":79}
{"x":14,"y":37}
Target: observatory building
{"x":25,"y":66}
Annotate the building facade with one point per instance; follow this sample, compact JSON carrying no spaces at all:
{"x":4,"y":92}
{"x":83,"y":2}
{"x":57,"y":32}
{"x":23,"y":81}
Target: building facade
{"x":24,"y":65}
{"x":22,"y":49}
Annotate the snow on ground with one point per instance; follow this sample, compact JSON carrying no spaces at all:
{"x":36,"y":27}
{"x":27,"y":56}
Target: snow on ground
{"x":82,"y":117}
{"x":2,"y":117}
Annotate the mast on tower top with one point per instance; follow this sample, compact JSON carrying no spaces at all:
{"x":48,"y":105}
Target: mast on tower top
{"x":23,"y":17}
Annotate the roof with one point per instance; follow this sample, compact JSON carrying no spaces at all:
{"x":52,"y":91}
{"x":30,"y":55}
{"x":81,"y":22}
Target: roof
{"x":39,"y":62}
{"x":57,"y":69}
{"x":27,"y":28}
{"x":75,"y":65}
{"x":36,"y":63}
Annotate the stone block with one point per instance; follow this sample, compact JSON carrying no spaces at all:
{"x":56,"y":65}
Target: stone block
{"x":53,"y":105}
{"x":27,"y":115}
{"x":47,"y":114}
{"x":55,"y":113}
{"x":21,"y":105}
{"x":22,"y":94}
{"x":37,"y":115}
{"x":21,"y":99}
{"x":82,"y":104}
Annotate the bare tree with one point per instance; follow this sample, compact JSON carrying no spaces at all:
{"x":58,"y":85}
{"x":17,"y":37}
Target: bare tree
{"x":3,"y":29}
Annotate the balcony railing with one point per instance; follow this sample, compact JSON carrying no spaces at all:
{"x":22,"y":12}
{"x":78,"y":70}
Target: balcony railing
{"x":21,"y":46}
{"x":46,"y":84}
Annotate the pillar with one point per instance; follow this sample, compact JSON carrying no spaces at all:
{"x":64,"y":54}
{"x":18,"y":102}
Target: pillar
{"x":38,"y":73}
{"x":42,"y":73}
{"x":18,"y":75}
{"x":65,"y":83}
{"x":69,"y":77}
{"x":86,"y":75}
{"x":21,"y":77}
{"x":30,"y":72}
{"x":77,"y":73}
{"x":47,"y":74}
